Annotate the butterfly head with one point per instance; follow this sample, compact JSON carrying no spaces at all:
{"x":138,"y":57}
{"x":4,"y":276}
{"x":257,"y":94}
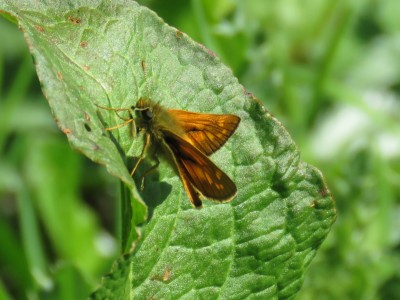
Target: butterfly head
{"x":144,"y":110}
{"x":142,"y":104}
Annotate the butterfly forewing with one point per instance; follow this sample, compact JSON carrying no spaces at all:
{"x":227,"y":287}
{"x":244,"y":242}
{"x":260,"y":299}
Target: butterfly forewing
{"x":201,"y":172}
{"x":207,"y":132}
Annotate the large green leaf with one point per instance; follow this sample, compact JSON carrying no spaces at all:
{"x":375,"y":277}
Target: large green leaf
{"x":260,"y":244}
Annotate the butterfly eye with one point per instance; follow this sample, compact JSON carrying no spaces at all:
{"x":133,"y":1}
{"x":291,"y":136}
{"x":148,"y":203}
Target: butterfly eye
{"x":147,"y":114}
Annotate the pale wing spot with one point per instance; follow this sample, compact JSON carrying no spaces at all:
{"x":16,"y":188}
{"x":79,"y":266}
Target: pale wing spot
{"x":208,"y":178}
{"x":218,"y":174}
{"x":219,"y":186}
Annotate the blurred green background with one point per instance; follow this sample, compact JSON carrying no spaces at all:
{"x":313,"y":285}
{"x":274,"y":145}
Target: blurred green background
{"x":328,"y":70}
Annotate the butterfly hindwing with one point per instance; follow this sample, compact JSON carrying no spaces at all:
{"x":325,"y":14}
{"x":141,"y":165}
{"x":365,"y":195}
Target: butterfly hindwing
{"x":200,"y":171}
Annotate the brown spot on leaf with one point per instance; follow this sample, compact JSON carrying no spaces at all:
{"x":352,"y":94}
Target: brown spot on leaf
{"x":67,"y":131}
{"x":143,"y":64}
{"x":86,"y":68}
{"x":83,"y":44}
{"x":60,"y":76}
{"x":167,"y":274}
{"x":39,"y":28}
{"x":179,"y":34}
{"x":165,"y":277}
{"x":87,"y":117}
{"x":208,"y":51}
{"x":248,"y":94}
{"x":74,"y":20}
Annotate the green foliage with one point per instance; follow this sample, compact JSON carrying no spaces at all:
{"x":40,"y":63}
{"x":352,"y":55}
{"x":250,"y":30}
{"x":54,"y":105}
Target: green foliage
{"x":328,"y":70}
{"x":41,"y":181}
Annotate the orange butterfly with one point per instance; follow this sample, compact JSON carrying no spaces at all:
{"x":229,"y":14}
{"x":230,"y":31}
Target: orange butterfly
{"x":188,"y":138}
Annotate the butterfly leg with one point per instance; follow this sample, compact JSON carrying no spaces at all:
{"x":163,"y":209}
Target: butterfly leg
{"x":142,"y":155}
{"x":120,"y":125}
{"x":116,"y":110}
{"x":148,"y":171}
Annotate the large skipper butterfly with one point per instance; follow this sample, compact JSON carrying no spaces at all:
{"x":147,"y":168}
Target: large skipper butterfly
{"x":187,"y":138}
